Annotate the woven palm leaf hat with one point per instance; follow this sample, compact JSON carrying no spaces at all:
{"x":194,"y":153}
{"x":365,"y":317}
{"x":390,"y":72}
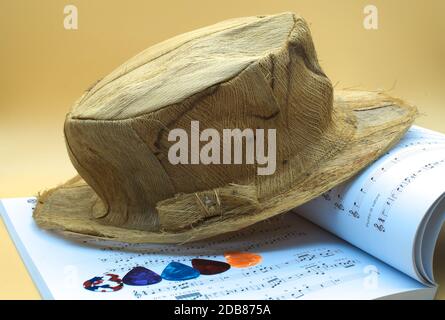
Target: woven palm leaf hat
{"x":251,"y":72}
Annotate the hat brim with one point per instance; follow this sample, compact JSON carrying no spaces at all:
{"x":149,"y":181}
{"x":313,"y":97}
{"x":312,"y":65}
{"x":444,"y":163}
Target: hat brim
{"x":380,"y":121}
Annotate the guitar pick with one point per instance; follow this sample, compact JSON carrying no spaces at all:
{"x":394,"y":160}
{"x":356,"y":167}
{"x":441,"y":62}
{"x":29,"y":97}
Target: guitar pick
{"x":109,"y":282}
{"x":242,"y":259}
{"x":140,"y":276}
{"x":176,"y":271}
{"x":210,"y":267}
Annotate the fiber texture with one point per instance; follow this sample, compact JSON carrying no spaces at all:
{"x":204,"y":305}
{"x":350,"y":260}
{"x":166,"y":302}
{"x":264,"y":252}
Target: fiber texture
{"x":246,"y":73}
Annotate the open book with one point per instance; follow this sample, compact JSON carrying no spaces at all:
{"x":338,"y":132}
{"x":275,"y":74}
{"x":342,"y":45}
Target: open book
{"x":370,"y":238}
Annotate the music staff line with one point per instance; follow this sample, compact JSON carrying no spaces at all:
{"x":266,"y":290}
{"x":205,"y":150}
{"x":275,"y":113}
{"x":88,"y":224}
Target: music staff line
{"x":403,"y":152}
{"x":193,"y":289}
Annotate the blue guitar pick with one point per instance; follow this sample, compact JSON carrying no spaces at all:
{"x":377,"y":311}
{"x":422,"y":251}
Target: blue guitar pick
{"x":176,"y":271}
{"x":140,"y":276}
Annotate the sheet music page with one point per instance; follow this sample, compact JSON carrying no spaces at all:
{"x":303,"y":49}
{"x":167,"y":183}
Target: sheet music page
{"x":298,"y":260}
{"x":382,"y":209}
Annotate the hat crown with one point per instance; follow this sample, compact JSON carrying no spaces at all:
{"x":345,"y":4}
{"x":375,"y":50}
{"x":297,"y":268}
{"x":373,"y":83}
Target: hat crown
{"x":175,"y":69}
{"x":246,"y":73}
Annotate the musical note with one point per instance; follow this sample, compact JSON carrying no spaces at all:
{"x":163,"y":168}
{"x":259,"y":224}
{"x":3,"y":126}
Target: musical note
{"x":368,"y":198}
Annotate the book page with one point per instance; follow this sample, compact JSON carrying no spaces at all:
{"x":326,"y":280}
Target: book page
{"x":384,"y":209}
{"x":427,"y":238}
{"x":294,"y":259}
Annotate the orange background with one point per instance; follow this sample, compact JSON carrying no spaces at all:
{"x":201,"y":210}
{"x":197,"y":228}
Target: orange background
{"x":44,"y":68}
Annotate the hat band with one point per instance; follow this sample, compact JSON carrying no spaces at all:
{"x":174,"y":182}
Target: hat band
{"x":184,"y":210}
